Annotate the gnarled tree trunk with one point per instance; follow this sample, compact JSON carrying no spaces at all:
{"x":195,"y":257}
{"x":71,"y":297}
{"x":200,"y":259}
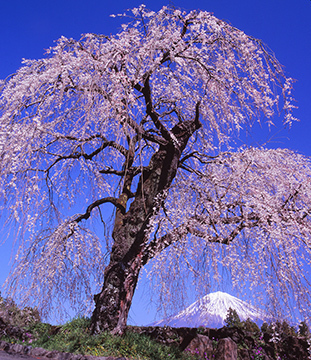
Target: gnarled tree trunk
{"x":113,"y":303}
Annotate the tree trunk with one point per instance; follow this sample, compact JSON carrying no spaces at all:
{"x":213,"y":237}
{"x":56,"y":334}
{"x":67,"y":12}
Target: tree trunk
{"x":113,"y":303}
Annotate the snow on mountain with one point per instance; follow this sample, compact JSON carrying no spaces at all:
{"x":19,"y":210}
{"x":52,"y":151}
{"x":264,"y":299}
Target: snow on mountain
{"x":211,"y":311}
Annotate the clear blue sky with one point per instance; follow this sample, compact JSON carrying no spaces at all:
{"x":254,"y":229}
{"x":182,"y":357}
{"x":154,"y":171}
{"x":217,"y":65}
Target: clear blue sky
{"x":29,"y":27}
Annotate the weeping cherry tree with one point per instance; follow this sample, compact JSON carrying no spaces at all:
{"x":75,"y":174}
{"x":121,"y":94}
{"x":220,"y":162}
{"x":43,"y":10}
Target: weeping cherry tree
{"x":141,"y":125}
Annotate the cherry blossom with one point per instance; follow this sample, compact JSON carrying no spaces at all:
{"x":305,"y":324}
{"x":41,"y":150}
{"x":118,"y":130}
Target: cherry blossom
{"x":141,"y":124}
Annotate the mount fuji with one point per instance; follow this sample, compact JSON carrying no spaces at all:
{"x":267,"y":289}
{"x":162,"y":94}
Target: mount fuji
{"x":211,"y":311}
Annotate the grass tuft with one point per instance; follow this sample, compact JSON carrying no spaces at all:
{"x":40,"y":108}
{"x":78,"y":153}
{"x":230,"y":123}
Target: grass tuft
{"x":75,"y":337}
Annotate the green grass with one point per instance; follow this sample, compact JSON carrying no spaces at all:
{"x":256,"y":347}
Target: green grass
{"x":74,"y":337}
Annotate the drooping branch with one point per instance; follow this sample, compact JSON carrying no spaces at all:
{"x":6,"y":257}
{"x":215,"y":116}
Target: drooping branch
{"x":81,"y":153}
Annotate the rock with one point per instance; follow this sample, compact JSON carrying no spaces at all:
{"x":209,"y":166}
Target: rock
{"x":54,"y":354}
{"x":46,"y":354}
{"x":17,"y":348}
{"x":227,"y":349}
{"x":4,"y":345}
{"x":235,"y":333}
{"x":244,"y":354}
{"x":54,"y":330}
{"x":80,"y":357}
{"x":201,"y":345}
{"x":38,"y":352}
{"x":11,"y":331}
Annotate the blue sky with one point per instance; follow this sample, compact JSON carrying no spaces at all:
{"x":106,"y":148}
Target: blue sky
{"x":29,"y":27}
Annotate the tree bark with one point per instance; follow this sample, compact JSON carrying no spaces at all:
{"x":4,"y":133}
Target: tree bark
{"x":113,"y":303}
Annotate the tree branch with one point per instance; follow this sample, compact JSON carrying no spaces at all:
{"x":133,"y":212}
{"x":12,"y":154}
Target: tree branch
{"x":78,"y":154}
{"x":167,"y":135}
{"x":97,"y":203}
{"x":157,"y":245}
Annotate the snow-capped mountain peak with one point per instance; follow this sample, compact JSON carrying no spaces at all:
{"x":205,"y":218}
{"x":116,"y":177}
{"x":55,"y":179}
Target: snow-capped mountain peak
{"x":211,"y":311}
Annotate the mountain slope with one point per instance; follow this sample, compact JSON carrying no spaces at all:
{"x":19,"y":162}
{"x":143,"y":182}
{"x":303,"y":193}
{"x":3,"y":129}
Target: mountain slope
{"x":211,"y":311}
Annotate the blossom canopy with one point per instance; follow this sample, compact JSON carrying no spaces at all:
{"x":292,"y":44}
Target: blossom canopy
{"x":145,"y":121}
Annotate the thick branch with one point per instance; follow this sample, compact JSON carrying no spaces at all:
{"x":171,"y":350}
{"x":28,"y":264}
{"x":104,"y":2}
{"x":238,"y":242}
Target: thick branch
{"x":157,"y":245}
{"x":111,"y":171}
{"x":197,"y":155}
{"x":167,"y":135}
{"x":97,"y":203}
{"x":134,"y":171}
